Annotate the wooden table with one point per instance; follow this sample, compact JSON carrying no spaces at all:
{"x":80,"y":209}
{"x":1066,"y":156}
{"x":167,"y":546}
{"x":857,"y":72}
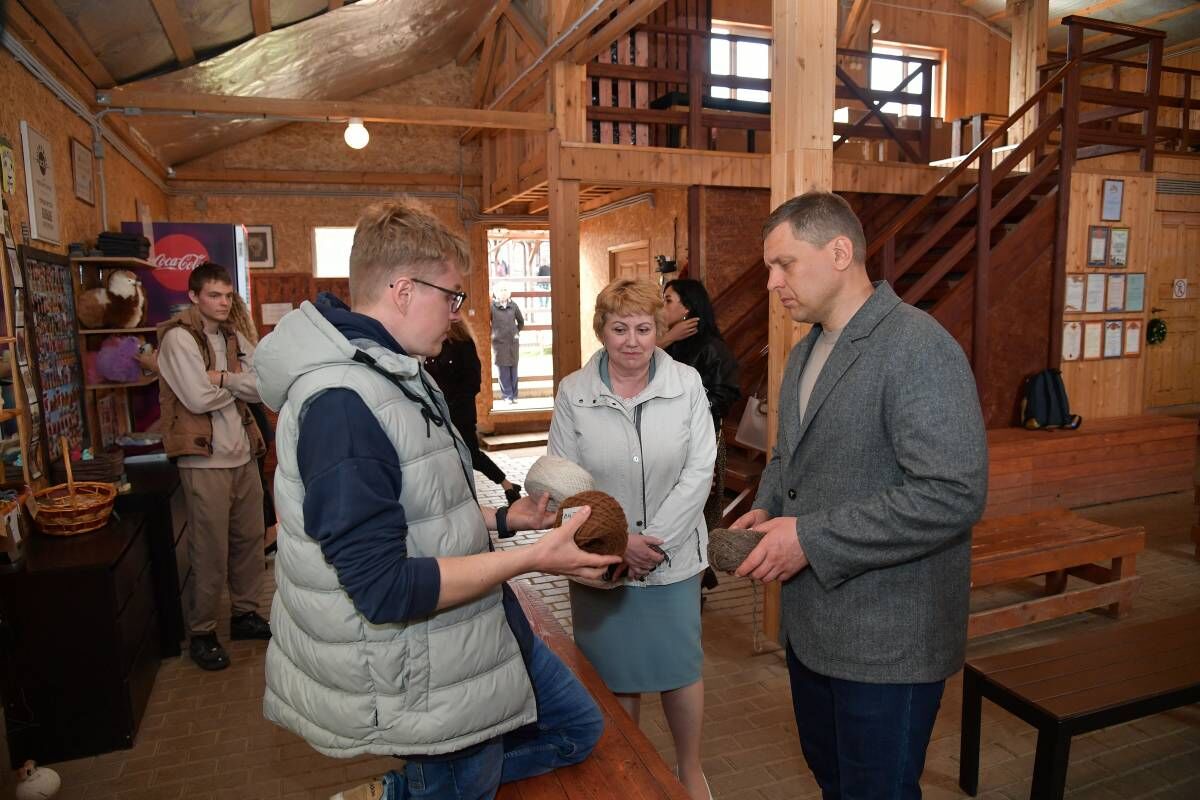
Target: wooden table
{"x":624,"y":763}
{"x":1056,"y":544}
{"x":1078,"y":685}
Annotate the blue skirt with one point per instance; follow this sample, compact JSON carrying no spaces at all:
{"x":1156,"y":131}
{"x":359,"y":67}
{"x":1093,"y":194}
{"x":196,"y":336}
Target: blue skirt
{"x":640,"y":638}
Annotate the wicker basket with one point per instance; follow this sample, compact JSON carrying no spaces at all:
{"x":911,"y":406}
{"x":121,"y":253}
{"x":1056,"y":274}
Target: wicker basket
{"x":71,"y":508}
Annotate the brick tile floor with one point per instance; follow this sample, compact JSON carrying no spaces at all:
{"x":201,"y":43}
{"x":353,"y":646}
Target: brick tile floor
{"x":203,"y":735}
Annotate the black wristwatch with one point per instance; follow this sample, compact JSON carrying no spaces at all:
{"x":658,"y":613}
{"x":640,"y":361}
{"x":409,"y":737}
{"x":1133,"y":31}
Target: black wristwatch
{"x":502,"y":530}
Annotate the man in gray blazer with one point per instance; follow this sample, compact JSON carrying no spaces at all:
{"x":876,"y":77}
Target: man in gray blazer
{"x":878,"y":474}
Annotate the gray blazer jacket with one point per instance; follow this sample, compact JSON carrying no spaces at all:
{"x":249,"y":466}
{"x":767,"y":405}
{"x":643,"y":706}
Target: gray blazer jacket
{"x":885,"y":475}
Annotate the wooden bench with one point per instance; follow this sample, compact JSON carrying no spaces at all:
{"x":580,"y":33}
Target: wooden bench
{"x":624,"y":763}
{"x":1056,"y":544}
{"x":1105,"y":460}
{"x":1078,"y":685}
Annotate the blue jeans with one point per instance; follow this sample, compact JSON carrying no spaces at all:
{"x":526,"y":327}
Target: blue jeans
{"x":508,"y":382}
{"x":567,"y":728}
{"x":863,"y":741}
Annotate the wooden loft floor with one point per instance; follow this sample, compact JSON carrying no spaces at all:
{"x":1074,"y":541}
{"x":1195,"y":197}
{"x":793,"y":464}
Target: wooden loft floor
{"x":608,"y":172}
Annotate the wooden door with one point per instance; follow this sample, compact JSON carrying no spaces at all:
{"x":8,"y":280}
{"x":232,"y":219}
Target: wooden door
{"x":1173,"y":367}
{"x":630,"y":261}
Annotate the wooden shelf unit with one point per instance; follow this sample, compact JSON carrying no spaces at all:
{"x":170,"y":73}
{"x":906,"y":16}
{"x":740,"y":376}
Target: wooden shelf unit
{"x":90,"y":272}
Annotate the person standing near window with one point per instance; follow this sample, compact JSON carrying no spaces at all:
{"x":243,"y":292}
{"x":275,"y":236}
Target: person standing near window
{"x":507,"y":323}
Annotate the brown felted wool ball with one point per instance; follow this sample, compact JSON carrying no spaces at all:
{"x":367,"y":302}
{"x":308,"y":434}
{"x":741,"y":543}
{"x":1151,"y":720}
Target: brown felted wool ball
{"x":728,"y":547}
{"x":605,"y":533}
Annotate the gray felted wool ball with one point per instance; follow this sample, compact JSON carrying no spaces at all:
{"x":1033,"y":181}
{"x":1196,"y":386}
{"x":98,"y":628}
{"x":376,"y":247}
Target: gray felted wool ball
{"x":728,"y":547}
{"x":558,"y":478}
{"x":605,"y":533}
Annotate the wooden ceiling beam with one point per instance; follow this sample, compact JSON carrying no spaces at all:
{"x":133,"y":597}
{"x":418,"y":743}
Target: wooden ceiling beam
{"x":323,"y":110}
{"x":534,"y":39}
{"x":489,"y":21}
{"x":177,"y":35}
{"x":260,"y":12}
{"x":68,"y":37}
{"x":353,"y":177}
{"x":631,"y":15}
{"x":1086,"y":12}
{"x":483,"y":73}
{"x":853,"y":20}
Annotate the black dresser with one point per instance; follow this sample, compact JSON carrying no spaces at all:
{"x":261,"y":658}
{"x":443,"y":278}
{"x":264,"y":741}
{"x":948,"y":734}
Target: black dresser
{"x":81,"y":642}
{"x":157,"y":493}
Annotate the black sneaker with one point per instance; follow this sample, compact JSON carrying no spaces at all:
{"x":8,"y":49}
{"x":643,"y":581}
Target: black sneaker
{"x":514,"y":494}
{"x":207,"y":652}
{"x":249,"y":626}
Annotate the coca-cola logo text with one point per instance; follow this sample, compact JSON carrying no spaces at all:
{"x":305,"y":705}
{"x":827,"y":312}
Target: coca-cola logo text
{"x":176,"y":255}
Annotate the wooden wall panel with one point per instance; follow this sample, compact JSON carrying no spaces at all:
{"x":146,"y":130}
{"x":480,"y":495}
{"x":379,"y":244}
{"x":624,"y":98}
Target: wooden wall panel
{"x":664,"y":226}
{"x":23,"y":97}
{"x":977,"y":58}
{"x":1110,"y":387}
{"x":747,"y":12}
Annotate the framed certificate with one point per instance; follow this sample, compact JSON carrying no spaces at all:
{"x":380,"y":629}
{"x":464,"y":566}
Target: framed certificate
{"x":1092,"y":335}
{"x":1116,"y":294}
{"x":1114,"y":338}
{"x":1072,"y":346}
{"x":1075,"y":293}
{"x":1111,"y":197}
{"x":1097,"y":252}
{"x":1133,"y":338}
{"x":1118,"y":248}
{"x":1135,"y":291}
{"x":1093,"y":302}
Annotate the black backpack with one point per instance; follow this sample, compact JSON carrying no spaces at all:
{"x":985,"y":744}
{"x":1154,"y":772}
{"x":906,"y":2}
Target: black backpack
{"x":1045,"y":404}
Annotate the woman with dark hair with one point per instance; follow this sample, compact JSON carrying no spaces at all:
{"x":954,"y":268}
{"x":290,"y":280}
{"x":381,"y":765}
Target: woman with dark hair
{"x":693,"y":338}
{"x":459,"y":374}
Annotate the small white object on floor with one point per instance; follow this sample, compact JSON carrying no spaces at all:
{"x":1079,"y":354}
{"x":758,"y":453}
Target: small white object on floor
{"x":36,"y":783}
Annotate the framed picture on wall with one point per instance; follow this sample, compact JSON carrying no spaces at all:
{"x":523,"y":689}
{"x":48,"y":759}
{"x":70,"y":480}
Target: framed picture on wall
{"x":1116,"y":294}
{"x":1072,"y":346}
{"x":1135,"y":291}
{"x":1092,"y":335}
{"x":1075,"y":293}
{"x":1111,"y":197}
{"x":1118,"y":248}
{"x":1094,"y":293}
{"x":1133,"y":338}
{"x":260,"y":247}
{"x":81,"y":172}
{"x":1114,"y":338}
{"x":1097,"y":252}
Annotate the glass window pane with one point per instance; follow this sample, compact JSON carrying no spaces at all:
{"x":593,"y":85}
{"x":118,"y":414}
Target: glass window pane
{"x":332,"y":252}
{"x":718,"y":54}
{"x":753,"y":60}
{"x":720,"y":91}
{"x":753,"y":95}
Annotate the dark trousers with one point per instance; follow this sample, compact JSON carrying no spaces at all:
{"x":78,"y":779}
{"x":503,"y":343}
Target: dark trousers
{"x":508,"y":382}
{"x":863,"y":741}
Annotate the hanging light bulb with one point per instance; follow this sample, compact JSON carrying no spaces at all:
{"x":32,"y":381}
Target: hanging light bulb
{"x":356,"y":134}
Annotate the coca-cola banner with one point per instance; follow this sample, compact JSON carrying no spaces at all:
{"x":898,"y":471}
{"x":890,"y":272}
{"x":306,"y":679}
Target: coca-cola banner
{"x":180,"y":247}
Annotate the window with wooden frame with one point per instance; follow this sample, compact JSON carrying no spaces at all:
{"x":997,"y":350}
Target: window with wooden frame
{"x":887,"y":75}
{"x":746,"y":53}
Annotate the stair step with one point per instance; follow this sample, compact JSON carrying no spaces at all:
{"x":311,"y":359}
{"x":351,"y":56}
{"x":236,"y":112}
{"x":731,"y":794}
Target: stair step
{"x":513,"y":441}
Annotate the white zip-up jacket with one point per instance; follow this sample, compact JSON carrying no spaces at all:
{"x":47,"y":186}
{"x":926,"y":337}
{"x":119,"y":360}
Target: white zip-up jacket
{"x":654,"y":455}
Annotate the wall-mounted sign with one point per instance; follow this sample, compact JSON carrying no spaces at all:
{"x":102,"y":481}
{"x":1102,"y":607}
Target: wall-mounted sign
{"x":39,"y":183}
{"x":1179,"y":289}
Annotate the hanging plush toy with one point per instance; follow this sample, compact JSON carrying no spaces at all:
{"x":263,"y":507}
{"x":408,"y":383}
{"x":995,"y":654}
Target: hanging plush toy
{"x":121,"y":304}
{"x":36,"y":783}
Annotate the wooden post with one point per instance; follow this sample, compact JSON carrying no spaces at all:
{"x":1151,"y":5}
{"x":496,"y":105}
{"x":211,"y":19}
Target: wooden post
{"x":983,"y":252}
{"x":697,"y":138}
{"x":567,"y":84}
{"x":1068,"y":145}
{"x":802,"y":83}
{"x":1029,"y":19}
{"x":564,"y":263}
{"x":1150,"y":120}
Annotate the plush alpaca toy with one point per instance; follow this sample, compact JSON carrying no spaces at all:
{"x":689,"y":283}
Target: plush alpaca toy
{"x":36,"y":783}
{"x":122,"y":304}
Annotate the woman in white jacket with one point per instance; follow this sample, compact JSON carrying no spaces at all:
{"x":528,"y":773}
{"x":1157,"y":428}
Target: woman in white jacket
{"x":639,"y":422}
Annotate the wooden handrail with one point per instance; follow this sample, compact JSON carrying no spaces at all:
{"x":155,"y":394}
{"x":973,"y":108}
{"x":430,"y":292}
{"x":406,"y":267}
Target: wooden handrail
{"x":896,"y":225}
{"x":1117,"y":28}
{"x":1060,"y":58}
{"x":747,"y":276}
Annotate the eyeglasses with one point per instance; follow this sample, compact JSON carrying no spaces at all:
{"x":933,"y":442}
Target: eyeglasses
{"x":456,"y":298}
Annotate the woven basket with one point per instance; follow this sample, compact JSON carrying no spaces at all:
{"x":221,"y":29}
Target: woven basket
{"x":72,"y":508}
{"x":107,"y":465}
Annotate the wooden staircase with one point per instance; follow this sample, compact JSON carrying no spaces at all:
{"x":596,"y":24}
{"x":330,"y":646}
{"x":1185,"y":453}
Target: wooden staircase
{"x":1001,"y":242}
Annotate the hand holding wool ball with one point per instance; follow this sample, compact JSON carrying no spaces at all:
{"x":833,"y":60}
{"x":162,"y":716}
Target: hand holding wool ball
{"x":36,"y":783}
{"x":604,"y":533}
